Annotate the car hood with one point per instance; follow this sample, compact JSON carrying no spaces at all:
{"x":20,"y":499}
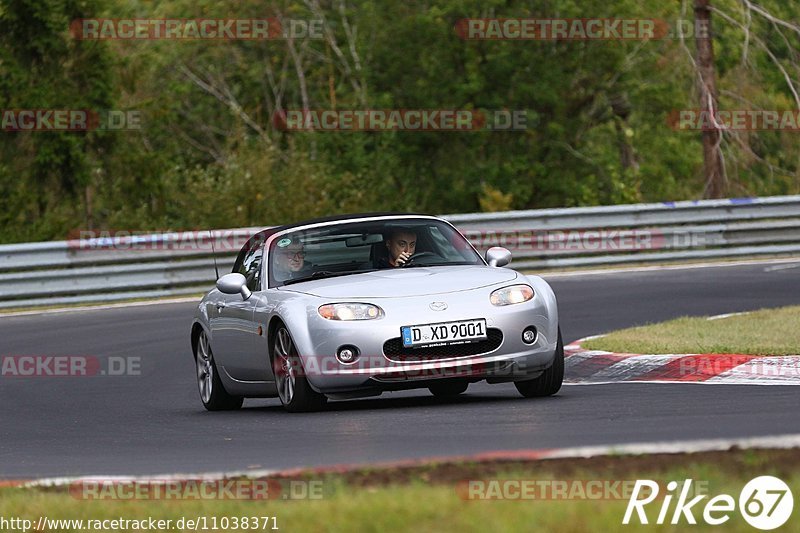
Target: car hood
{"x":402,"y":282}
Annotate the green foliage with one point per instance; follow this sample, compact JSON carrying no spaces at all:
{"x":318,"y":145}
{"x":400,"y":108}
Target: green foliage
{"x":495,"y":200}
{"x":44,"y":68}
{"x":209,"y":154}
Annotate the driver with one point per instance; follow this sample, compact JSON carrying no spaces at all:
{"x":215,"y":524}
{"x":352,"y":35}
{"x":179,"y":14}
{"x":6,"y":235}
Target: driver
{"x":401,"y":245}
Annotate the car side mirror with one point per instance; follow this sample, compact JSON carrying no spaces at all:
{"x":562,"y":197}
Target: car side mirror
{"x":234,"y":283}
{"x":497,"y":256}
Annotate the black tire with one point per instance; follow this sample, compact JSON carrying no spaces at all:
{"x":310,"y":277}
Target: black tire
{"x":551,"y":379}
{"x":448,"y":389}
{"x":294,"y":391}
{"x":212,"y":392}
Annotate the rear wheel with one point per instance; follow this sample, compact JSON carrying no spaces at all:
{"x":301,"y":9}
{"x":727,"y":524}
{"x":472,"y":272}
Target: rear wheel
{"x":212,"y":393}
{"x":551,"y":379}
{"x":448,"y":389}
{"x":293,"y":388}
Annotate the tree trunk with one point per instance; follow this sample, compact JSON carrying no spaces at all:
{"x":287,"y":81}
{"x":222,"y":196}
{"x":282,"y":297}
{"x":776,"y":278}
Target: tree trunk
{"x":713,"y":168}
{"x":89,"y":198}
{"x":621,"y":108}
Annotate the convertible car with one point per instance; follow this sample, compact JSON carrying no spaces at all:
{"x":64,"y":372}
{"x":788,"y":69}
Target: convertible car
{"x":351,"y":306}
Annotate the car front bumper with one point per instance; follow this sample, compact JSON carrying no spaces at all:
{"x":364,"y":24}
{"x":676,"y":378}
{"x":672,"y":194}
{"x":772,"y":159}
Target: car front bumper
{"x":512,"y":360}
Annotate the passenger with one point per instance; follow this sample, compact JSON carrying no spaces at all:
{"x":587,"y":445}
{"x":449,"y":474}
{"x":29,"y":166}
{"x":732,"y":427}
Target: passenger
{"x":290,"y":259}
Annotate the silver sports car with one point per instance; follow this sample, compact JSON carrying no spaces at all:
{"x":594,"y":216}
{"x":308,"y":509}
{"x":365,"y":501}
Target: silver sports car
{"x":352,"y":306}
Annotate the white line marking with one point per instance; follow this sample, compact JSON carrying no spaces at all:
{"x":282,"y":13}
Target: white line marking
{"x":761,"y":370}
{"x":768,"y":370}
{"x":691,"y":446}
{"x":583,"y":355}
{"x":100,"y":307}
{"x":781,"y":267}
{"x":667,"y":382}
{"x":614,"y":271}
{"x":208,"y":476}
{"x":726,"y":315}
{"x":631,"y":367}
{"x":638,"y":448}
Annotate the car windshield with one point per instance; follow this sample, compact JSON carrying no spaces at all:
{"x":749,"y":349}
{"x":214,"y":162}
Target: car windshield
{"x":357,"y":247}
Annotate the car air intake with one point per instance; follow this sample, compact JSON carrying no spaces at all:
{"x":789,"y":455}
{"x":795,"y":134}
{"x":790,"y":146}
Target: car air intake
{"x":393,"y":349}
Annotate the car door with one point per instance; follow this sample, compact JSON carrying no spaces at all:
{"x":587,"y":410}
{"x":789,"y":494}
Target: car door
{"x":232,"y":326}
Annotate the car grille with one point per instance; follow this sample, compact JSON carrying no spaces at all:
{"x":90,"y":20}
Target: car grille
{"x":393,"y":349}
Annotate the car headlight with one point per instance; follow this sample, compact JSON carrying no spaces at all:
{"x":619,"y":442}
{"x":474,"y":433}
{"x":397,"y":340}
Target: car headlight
{"x":515,"y":294}
{"x":350,"y":311}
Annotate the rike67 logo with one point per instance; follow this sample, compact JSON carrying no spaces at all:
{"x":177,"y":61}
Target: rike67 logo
{"x":765,"y":503}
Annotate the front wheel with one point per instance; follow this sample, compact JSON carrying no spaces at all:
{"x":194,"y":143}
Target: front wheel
{"x":551,"y":379}
{"x":293,"y":388}
{"x":212,"y":393}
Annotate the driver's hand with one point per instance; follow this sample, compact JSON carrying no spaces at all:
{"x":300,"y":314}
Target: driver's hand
{"x":401,"y":259}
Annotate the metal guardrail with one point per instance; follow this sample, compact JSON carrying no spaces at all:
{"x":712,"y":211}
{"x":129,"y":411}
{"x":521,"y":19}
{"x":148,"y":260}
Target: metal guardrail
{"x":145,"y":266}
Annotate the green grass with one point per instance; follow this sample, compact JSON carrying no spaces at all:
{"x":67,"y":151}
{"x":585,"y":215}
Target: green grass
{"x":764,"y":332}
{"x":426,"y":500}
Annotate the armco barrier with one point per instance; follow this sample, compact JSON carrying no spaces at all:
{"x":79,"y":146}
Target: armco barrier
{"x":143,"y":266}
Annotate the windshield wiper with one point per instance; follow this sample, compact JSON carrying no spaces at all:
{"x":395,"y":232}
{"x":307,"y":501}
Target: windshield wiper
{"x":322,"y":274}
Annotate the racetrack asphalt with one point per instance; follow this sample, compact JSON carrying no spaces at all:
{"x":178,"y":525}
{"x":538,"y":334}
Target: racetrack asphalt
{"x":154,"y":423}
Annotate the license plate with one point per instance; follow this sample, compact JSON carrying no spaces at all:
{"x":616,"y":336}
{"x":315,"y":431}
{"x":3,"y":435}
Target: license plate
{"x":444,"y":333}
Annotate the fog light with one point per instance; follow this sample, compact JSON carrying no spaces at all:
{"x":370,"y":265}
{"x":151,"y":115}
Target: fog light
{"x":529,"y":335}
{"x":347,"y":354}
